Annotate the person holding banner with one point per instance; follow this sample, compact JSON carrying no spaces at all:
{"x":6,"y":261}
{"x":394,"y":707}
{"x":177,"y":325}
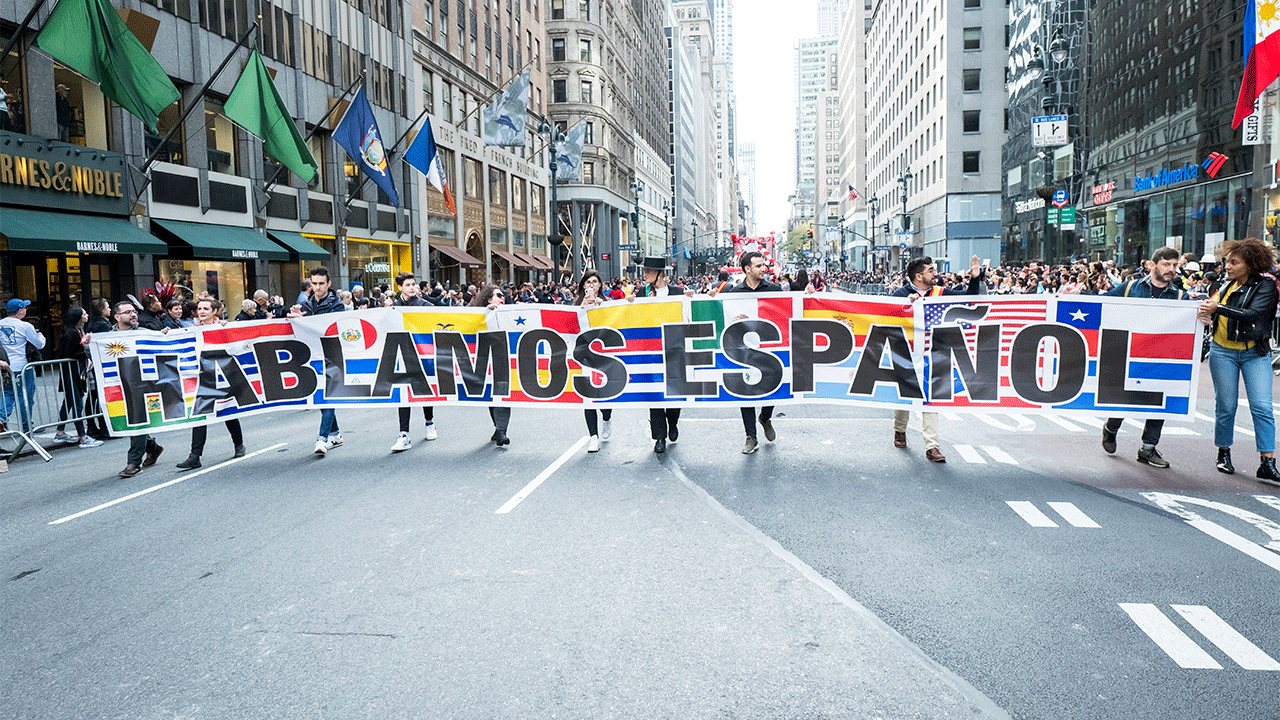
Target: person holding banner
{"x":923,"y":278}
{"x":143,"y":449}
{"x":662,"y":421}
{"x":411,"y":296}
{"x":588,"y":295}
{"x":207,"y":310}
{"x":754,"y":268}
{"x":1157,"y":284}
{"x":1239,"y":317}
{"x":490,"y":296}
{"x":322,"y":301}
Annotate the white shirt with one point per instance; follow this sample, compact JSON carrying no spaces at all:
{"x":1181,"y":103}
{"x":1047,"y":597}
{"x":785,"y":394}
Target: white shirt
{"x":14,"y":335}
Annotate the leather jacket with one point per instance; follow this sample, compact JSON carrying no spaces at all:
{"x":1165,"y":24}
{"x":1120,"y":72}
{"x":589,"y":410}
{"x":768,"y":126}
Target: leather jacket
{"x":1249,"y":311}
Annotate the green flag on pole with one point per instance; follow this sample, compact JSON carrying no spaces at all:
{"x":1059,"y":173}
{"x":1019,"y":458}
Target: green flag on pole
{"x":89,"y":37}
{"x":255,"y":105}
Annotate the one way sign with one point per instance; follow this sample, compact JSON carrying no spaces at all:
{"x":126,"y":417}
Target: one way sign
{"x":1049,"y":131}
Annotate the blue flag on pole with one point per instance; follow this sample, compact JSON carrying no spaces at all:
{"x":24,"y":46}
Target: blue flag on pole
{"x":358,"y":134}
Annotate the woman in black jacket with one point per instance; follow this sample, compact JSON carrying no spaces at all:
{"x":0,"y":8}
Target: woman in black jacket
{"x":71,"y":347}
{"x":1239,"y":317}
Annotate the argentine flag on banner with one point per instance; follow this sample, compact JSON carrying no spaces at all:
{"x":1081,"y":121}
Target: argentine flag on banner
{"x":504,"y":117}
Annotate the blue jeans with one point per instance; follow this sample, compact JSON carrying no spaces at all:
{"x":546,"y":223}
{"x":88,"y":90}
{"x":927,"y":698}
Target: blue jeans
{"x":328,"y":425}
{"x":20,"y":395}
{"x":1226,"y":366}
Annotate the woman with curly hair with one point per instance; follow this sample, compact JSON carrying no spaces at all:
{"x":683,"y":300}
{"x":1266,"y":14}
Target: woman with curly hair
{"x":1239,"y":317}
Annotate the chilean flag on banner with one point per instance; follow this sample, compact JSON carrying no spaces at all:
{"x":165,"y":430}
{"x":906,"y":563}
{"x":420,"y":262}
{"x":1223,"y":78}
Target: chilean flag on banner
{"x":1262,"y":55}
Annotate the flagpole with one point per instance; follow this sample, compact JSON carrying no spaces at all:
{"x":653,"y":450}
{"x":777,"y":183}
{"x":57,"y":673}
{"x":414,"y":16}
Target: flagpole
{"x":495,"y":93}
{"x":190,"y":108}
{"x":17,"y":34}
{"x":279,"y":168}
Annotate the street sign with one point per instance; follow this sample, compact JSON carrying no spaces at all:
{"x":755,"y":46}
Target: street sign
{"x":1060,"y":197}
{"x":631,"y":246}
{"x":1065,"y":216}
{"x":1049,"y":130}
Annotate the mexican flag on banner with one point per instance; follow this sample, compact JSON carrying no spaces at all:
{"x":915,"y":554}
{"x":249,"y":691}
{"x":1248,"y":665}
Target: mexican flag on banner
{"x":728,"y":308}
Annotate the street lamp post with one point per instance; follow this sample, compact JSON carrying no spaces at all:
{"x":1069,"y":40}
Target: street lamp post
{"x":692,"y":238}
{"x":904,"y":179}
{"x":874,"y":203}
{"x":637,"y":187}
{"x":666,"y":226}
{"x":556,"y":136}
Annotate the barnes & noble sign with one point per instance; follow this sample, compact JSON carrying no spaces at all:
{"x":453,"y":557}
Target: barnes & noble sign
{"x":59,"y":176}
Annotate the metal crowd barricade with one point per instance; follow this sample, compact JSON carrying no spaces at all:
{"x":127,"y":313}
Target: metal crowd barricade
{"x":59,"y":395}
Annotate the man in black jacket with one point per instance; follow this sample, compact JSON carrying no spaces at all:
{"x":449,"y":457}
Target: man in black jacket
{"x":322,"y":301}
{"x":143,"y":449}
{"x":411,"y":296}
{"x":662,"y":421}
{"x":922,"y":282}
{"x":754,"y":267}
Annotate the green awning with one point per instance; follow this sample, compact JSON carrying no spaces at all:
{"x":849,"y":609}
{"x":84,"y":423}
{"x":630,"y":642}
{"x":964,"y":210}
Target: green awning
{"x":220,"y":242}
{"x":299,"y":245}
{"x":41,"y":231}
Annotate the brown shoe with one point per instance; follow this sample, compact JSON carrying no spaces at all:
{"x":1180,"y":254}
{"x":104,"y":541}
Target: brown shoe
{"x":152,"y":456}
{"x":935,"y":455}
{"x":130,"y":470}
{"x":899,"y":439}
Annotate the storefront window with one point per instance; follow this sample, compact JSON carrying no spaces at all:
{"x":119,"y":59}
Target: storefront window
{"x":225,"y":281}
{"x":1137,"y":235}
{"x":377,"y":263}
{"x":471,"y":177}
{"x":221,"y":134}
{"x":81,"y":110}
{"x":1241,"y":202}
{"x":1193,"y":241}
{"x":1158,"y":217}
{"x":12,"y":89}
{"x":1178,"y":227}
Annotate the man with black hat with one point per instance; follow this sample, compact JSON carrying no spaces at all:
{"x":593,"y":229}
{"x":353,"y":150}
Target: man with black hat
{"x":754,"y":267}
{"x":662,"y":421}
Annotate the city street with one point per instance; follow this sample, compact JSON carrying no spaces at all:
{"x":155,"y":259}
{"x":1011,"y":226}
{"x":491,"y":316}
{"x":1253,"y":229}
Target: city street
{"x":829,"y":575}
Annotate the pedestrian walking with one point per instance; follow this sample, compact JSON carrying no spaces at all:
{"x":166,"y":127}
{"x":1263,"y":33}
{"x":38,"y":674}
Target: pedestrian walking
{"x":923,"y":282}
{"x":1157,"y":284}
{"x":143,"y":449}
{"x":754,"y":267}
{"x":1239,"y":317}
{"x":589,"y":288}
{"x":71,"y":349}
{"x":322,"y":301}
{"x":17,"y":335}
{"x":411,"y":296}
{"x":207,"y":313}
{"x":663,"y":422}
{"x":491,"y":297}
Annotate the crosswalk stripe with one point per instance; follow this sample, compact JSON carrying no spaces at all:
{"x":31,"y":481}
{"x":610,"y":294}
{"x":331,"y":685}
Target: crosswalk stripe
{"x":1236,"y":646}
{"x":1093,"y":422}
{"x":1031,"y":514}
{"x":1061,"y":421}
{"x":1073,"y":515}
{"x":970,"y":455}
{"x":953,"y":416}
{"x":1271,"y":500}
{"x":1182,"y":649}
{"x":999,"y":455}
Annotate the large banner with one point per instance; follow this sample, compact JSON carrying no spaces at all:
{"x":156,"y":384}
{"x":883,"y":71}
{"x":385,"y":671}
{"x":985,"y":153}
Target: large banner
{"x":1045,"y":354}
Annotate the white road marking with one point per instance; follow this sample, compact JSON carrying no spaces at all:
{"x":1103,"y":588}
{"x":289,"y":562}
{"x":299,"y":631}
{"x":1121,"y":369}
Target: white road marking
{"x":1174,"y":504}
{"x":1271,"y":500}
{"x":1202,"y":416}
{"x":1063,"y":422}
{"x":1236,"y":646}
{"x":1252,"y":549}
{"x":542,"y":476}
{"x":174,"y":481}
{"x":1031,"y":514}
{"x":1092,"y":422}
{"x":952,"y":416}
{"x":1020,"y":423}
{"x":1182,"y":649}
{"x":1073,"y":515}
{"x":970,"y":455}
{"x":999,"y":455}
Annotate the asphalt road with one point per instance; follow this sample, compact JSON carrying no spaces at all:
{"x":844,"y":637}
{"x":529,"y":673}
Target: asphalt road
{"x":829,"y":575}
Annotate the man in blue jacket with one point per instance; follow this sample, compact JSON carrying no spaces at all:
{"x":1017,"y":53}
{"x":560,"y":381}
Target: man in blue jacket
{"x":322,"y":301}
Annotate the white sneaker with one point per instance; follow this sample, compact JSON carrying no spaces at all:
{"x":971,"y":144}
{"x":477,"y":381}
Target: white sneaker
{"x":402,"y":443}
{"x":322,"y":447}
{"x":593,"y":445}
{"x":606,"y":429}
{"x":88,"y":442}
{"x":335,"y":440}
{"x":431,"y":432}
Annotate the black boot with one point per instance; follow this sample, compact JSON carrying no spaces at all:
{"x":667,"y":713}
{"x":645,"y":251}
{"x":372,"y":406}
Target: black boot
{"x":192,"y":462}
{"x":1224,"y":461}
{"x":1267,"y":471}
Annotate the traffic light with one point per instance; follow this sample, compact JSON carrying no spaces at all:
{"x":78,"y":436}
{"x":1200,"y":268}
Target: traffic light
{"x":810,"y":231}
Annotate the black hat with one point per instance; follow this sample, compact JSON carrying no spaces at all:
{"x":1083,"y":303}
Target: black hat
{"x":656,"y":263}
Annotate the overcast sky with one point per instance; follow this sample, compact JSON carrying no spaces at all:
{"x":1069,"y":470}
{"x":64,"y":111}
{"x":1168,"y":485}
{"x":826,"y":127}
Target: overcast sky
{"x":764,"y":37}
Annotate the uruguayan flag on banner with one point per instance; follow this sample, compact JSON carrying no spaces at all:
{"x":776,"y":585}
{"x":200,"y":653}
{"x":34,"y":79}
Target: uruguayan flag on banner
{"x":569,"y":159}
{"x":504,"y":117}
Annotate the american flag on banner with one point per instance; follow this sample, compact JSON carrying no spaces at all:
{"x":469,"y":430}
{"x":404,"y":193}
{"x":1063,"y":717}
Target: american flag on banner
{"x":1013,"y":313}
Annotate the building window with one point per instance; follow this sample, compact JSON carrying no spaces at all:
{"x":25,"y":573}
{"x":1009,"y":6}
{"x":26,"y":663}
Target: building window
{"x":471,"y":177}
{"x":972,"y":39}
{"x":972,"y":121}
{"x":557,"y":9}
{"x":972,"y":80}
{"x":558,"y":92}
{"x":972,"y":4}
{"x":588,"y":172}
{"x":557,"y":49}
{"x":586,"y":91}
{"x":497,"y":187}
{"x":589,"y":133}
{"x":584,"y":50}
{"x":446,"y":102}
{"x":970,"y":162}
{"x":584,"y":9}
